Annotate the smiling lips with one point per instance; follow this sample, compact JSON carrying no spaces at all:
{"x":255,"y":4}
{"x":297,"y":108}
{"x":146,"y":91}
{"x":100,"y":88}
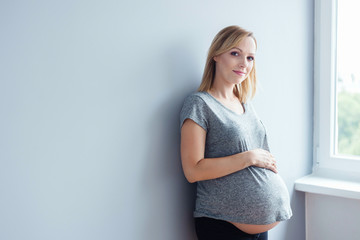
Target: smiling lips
{"x":240,"y":73}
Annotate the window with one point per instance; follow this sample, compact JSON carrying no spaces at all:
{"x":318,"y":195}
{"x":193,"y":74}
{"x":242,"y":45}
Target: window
{"x":336,"y":170}
{"x":337,"y":86}
{"x":347,"y":128}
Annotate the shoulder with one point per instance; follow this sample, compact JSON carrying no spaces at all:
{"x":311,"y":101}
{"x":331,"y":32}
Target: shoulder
{"x":196,"y":98}
{"x":198,"y":95}
{"x":251,"y":110}
{"x":249,"y":106}
{"x":196,"y":109}
{"x":249,"y":103}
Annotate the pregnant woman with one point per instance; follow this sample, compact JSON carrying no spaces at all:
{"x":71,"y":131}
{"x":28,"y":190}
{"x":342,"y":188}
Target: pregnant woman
{"x":224,"y":147}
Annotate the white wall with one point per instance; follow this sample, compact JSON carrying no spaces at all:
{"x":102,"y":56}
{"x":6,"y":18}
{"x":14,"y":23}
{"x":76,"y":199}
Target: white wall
{"x":326,"y":218}
{"x":90,"y":93}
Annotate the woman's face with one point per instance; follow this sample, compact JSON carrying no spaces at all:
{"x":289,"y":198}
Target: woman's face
{"x":233,"y":67}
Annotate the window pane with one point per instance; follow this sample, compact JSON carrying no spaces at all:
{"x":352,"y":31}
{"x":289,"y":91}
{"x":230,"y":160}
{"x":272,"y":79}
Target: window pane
{"x":348,"y":79}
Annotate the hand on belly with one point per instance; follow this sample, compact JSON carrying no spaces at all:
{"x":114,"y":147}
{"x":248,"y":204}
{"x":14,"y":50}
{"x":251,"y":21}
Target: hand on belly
{"x":254,"y":229}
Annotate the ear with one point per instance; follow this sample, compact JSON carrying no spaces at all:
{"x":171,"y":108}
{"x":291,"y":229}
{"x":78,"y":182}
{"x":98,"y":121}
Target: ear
{"x":215,"y":58}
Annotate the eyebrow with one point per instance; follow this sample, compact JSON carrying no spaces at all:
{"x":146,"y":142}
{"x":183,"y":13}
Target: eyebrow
{"x":243,"y":51}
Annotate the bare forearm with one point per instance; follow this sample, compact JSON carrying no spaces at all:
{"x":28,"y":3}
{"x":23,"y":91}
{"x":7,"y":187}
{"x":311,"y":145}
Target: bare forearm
{"x":211,"y":168}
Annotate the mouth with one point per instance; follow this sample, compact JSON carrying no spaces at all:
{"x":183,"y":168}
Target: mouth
{"x":240,"y":73}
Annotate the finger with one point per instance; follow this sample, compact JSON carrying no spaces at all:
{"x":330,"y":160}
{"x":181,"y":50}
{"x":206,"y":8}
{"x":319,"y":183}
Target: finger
{"x":271,"y":156}
{"x":274,"y":167}
{"x":271,"y":165}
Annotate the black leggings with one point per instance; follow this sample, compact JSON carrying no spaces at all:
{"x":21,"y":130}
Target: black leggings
{"x":213,"y":229}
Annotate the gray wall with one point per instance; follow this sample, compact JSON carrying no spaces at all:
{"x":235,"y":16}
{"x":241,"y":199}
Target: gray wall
{"x":90,"y":93}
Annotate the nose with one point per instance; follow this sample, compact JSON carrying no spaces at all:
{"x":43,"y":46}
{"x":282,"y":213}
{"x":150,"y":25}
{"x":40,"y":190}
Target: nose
{"x":243,"y":63}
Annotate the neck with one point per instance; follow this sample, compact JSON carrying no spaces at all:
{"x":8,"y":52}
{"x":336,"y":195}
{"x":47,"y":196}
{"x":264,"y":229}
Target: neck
{"x":223,"y":91}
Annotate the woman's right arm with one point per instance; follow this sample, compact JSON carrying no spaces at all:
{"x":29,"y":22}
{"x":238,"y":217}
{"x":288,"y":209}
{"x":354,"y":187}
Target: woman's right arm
{"x":197,"y":168}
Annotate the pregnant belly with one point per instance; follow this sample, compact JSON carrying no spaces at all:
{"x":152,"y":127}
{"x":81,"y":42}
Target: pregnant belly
{"x":254,"y":229}
{"x":254,"y":200}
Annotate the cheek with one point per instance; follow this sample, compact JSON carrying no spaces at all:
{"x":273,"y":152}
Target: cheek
{"x":225,"y":64}
{"x":231,"y":64}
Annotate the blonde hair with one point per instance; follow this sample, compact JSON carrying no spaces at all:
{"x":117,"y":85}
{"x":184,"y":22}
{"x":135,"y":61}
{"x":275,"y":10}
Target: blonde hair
{"x":224,"y":41}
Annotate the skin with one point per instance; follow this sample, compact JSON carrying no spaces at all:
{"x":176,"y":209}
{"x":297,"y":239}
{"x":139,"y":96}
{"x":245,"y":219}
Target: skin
{"x":232,"y":67}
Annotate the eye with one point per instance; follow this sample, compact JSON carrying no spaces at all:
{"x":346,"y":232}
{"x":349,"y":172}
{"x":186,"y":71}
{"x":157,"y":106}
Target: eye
{"x":234,"y":53}
{"x":250,"y":58}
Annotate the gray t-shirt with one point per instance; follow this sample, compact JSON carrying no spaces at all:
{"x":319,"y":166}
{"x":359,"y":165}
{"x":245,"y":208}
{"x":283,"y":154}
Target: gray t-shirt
{"x":251,"y":196}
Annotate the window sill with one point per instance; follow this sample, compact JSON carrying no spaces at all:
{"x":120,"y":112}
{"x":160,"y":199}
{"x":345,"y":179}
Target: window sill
{"x":330,"y":182}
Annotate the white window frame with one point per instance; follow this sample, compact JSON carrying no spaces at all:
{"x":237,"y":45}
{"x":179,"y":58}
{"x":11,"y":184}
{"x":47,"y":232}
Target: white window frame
{"x":325,"y":92}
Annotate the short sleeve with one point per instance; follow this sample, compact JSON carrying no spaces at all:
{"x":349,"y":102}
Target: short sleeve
{"x":195,"y":108}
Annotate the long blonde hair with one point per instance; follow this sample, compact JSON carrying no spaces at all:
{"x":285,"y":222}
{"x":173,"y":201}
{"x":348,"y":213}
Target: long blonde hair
{"x":225,"y":40}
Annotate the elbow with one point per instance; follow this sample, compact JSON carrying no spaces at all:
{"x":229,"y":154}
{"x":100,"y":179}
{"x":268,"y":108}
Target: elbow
{"x":192,"y":172}
{"x":190,"y":177}
{"x":191,"y":180}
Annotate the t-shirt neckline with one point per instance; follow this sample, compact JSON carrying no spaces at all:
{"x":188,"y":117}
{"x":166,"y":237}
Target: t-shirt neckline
{"x":223,"y":106}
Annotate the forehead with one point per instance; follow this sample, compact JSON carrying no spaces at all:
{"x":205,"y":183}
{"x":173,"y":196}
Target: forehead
{"x":247,"y":45}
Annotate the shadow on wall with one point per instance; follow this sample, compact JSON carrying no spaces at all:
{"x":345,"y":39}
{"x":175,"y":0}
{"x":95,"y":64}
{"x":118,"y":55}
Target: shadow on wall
{"x":170,"y":198}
